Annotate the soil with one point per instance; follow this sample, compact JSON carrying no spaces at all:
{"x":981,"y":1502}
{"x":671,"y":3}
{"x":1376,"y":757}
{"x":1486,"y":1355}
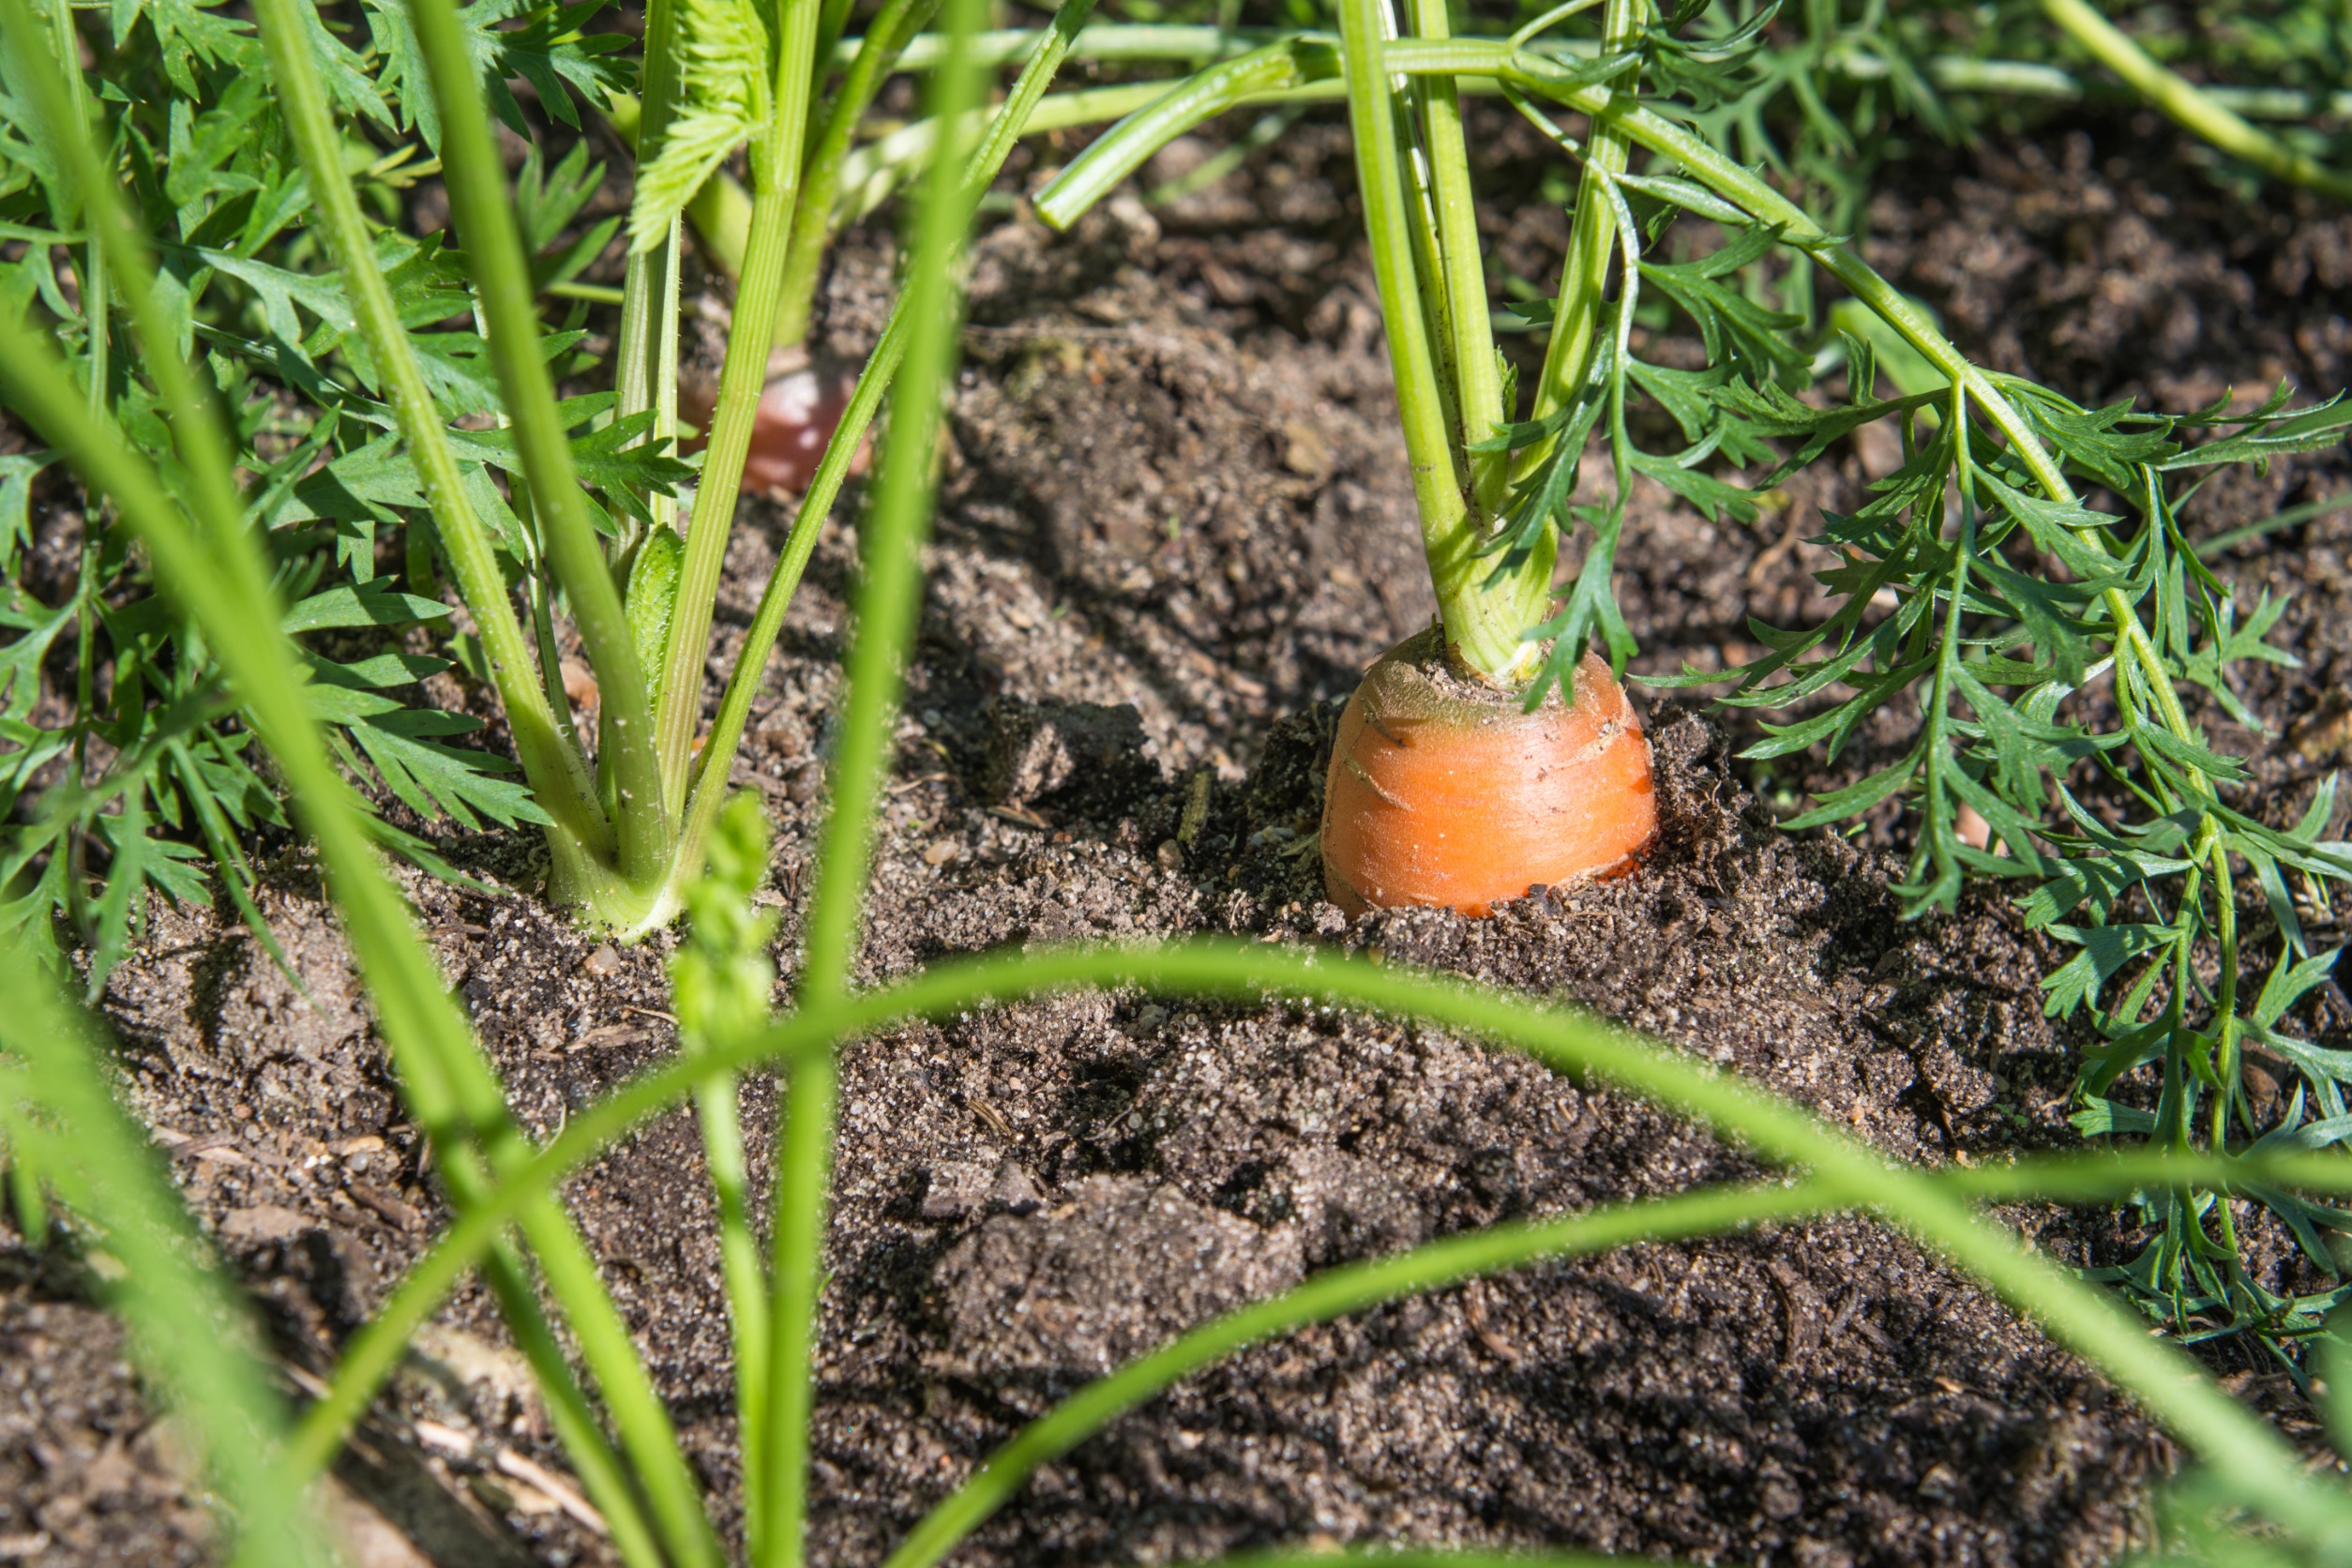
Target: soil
{"x":1175,"y":526}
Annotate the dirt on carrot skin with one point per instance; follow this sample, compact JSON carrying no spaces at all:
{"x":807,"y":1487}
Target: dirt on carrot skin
{"x":1172,"y":485}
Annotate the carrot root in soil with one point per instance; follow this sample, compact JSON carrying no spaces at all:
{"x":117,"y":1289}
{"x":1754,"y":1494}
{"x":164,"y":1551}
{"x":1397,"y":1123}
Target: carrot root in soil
{"x":799,"y":410}
{"x":1443,"y":793}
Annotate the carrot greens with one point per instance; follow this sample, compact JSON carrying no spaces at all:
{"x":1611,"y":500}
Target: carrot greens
{"x":290,"y":421}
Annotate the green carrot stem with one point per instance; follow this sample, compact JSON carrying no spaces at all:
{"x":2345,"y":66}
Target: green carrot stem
{"x":820,"y":178}
{"x":1011,"y":119}
{"x":559,"y":774}
{"x":775,"y":164}
{"x":646,"y":368}
{"x":1591,"y":244}
{"x":1477,"y":373}
{"x":2193,"y":107}
{"x":1486,"y":625}
{"x":476,"y":180}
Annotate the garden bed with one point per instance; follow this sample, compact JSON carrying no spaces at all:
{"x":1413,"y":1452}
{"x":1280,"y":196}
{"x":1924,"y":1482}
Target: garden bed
{"x":1174,"y":484}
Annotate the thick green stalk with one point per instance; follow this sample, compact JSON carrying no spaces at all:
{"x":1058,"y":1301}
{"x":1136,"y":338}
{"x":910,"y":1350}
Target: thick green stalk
{"x":888,"y":603}
{"x":2189,"y":106}
{"x":718,"y":1108}
{"x":775,"y":165}
{"x":450,"y":1088}
{"x":1477,"y":373}
{"x":820,"y":178}
{"x":1931,"y":1205}
{"x":559,"y":774}
{"x":1591,"y":244}
{"x":477,"y":180}
{"x":217,"y":574}
{"x":646,"y":368}
{"x":1486,"y":626}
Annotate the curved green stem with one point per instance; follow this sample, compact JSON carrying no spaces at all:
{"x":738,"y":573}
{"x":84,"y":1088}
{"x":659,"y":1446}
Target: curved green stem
{"x":1334,"y":1294}
{"x":1929,"y":1205}
{"x":190,"y":1330}
{"x":2189,"y":107}
{"x":1167,"y":112}
{"x":1591,"y":235}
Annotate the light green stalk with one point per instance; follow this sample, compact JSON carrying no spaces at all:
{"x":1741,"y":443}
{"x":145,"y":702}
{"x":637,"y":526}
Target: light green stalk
{"x":216,"y":572}
{"x":1591,"y":244}
{"x":2189,"y":106}
{"x":821,"y":180}
{"x":1477,"y":373}
{"x":775,"y":164}
{"x":646,"y":358}
{"x":1485,"y":623}
{"x":559,"y":774}
{"x":191,"y":1334}
{"x":372,"y":1353}
{"x":892,"y":538}
{"x":1011,"y":119}
{"x":478,"y":198}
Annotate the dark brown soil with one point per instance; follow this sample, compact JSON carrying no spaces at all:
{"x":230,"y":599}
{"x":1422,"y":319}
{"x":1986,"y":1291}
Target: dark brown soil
{"x":1174,"y":484}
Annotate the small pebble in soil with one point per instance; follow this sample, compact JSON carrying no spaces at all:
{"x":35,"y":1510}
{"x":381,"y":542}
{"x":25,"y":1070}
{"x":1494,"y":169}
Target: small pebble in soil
{"x":605,"y":960}
{"x":940,"y":851}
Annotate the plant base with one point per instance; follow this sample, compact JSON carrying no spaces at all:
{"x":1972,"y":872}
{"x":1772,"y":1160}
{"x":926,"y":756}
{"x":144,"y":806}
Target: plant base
{"x":1442,"y":792}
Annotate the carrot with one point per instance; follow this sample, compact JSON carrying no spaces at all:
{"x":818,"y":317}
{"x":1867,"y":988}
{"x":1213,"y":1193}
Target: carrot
{"x":799,"y":410}
{"x":1448,"y":792}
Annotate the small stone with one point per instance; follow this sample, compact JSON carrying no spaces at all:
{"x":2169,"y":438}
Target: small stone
{"x":940,"y":851}
{"x":1013,"y":1191}
{"x":1170,"y":855}
{"x":1304,"y":452}
{"x":956,"y":1187}
{"x":603,"y":961}
{"x":386,"y":1205}
{"x":1080,"y":751}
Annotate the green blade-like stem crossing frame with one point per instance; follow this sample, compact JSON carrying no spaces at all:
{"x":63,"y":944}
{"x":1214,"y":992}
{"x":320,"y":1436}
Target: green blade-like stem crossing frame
{"x":892,"y":541}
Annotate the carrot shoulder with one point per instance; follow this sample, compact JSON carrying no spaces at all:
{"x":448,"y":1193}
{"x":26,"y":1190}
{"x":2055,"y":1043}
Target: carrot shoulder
{"x":1443,"y":794}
